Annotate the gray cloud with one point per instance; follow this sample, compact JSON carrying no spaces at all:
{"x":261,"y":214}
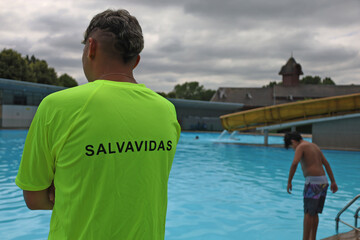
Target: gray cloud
{"x":67,"y":41}
{"x":218,"y":43}
{"x":279,"y":12}
{"x":58,"y":21}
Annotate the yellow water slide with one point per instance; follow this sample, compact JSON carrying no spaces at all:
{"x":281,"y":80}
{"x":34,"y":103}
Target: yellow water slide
{"x":291,"y":112}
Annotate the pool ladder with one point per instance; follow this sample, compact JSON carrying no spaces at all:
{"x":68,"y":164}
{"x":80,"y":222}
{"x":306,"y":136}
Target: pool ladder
{"x":356,"y":216}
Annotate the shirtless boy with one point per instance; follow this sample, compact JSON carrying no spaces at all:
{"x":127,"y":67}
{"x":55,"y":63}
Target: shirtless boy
{"x":316,"y":184}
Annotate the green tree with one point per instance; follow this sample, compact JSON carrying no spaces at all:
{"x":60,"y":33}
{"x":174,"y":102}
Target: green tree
{"x":31,"y":59}
{"x":31,"y":69}
{"x":328,"y":81}
{"x":67,"y":81}
{"x":307,"y":80}
{"x":271,"y":84}
{"x":192,"y":90}
{"x":44,"y":74}
{"x":207,"y":94}
{"x":311,"y":80}
{"x":163,"y":94}
{"x":171,"y":95}
{"x":13,"y":66}
{"x":317,"y":80}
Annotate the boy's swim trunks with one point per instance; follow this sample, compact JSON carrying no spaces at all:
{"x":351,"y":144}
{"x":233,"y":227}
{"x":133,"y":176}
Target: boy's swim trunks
{"x":314,"y":194}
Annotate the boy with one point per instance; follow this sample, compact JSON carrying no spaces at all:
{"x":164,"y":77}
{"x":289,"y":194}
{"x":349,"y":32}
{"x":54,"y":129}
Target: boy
{"x":316,"y":184}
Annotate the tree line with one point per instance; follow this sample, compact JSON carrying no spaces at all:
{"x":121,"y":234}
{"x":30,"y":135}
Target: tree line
{"x":307,"y":80}
{"x":31,"y":69}
{"x":189,"y":90}
{"x":195,"y":91}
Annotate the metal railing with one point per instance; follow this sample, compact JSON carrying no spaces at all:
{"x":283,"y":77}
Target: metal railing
{"x":356,"y":216}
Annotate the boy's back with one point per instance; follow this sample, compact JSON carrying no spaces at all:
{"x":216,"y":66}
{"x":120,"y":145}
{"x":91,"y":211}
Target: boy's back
{"x":312,"y":159}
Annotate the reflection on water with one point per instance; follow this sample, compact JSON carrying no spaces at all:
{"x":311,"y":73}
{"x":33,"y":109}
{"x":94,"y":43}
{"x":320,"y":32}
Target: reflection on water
{"x":216,"y":191}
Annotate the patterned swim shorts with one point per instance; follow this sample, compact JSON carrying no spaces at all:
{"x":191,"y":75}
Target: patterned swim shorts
{"x":315,"y":190}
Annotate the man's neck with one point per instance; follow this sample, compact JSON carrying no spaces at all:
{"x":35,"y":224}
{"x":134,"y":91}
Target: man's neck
{"x":117,"y":77}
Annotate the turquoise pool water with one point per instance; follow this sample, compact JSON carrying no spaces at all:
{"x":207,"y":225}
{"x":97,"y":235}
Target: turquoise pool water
{"x":216,"y":191}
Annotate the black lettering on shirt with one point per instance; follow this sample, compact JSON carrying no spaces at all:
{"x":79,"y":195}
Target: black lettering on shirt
{"x":101,"y":149}
{"x":169,"y":145}
{"x":152,"y":145}
{"x":120,"y":148}
{"x":90,"y":150}
{"x":126,"y":146}
{"x":110,"y":152}
{"x":129,"y":146}
{"x":138,"y":147}
{"x":161,"y":146}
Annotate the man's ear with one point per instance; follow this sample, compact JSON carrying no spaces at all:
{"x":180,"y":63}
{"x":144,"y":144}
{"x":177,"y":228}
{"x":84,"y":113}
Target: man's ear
{"x":92,"y":48}
{"x":137,"y":61}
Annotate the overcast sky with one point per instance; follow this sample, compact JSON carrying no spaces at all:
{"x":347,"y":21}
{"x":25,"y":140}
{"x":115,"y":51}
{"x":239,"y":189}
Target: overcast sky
{"x":219,"y":43}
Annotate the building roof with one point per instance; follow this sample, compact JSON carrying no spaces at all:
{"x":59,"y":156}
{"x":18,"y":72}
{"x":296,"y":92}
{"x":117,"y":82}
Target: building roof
{"x":259,"y":97}
{"x":291,"y":68}
{"x":9,"y":84}
{"x":185,"y":103}
{"x":315,"y":91}
{"x":250,"y":97}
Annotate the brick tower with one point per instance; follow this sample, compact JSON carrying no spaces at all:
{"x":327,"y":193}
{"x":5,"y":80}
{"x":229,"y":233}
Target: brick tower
{"x":291,"y":72}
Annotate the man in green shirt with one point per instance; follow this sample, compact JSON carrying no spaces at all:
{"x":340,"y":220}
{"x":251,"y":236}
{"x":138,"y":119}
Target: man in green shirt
{"x":100,"y":154}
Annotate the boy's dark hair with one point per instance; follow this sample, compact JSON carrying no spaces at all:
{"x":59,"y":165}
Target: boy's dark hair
{"x":291,"y":136}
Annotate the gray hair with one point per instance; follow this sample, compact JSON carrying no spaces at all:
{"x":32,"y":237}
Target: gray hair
{"x":124,"y":29}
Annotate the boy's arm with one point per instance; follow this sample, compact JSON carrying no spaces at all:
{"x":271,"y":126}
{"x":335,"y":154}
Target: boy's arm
{"x":326,"y":164}
{"x":297,"y":158}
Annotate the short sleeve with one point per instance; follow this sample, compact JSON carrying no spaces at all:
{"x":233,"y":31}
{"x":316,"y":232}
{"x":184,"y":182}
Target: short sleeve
{"x":36,"y":171}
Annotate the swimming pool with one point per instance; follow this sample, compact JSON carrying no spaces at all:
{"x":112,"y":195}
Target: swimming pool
{"x":216,"y":191}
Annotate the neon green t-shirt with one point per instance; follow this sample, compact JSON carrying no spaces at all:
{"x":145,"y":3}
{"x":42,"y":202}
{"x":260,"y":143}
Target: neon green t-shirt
{"x":108,"y":146}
